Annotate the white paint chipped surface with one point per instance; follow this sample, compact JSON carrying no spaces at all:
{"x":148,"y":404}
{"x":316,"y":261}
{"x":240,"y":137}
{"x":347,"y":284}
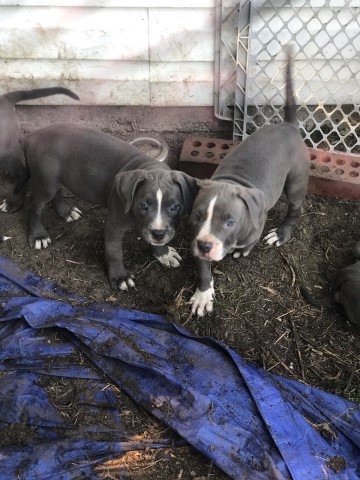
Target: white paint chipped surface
{"x":110,"y":52}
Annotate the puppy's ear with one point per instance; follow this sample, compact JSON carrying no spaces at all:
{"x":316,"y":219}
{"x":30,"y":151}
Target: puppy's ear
{"x":255,"y":204}
{"x":189,"y":188}
{"x":126,"y":184}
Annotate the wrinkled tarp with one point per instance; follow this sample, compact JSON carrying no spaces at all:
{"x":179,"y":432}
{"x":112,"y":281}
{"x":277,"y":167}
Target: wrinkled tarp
{"x":251,"y":423}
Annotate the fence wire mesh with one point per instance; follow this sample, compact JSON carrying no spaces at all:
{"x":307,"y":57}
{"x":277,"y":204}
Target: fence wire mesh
{"x":326,"y":39}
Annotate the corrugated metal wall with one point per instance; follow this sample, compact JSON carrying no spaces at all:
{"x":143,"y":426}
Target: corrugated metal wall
{"x":111,"y":52}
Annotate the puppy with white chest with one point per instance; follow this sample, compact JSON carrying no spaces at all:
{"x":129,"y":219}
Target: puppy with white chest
{"x":138,"y":191}
{"x":231,"y":208}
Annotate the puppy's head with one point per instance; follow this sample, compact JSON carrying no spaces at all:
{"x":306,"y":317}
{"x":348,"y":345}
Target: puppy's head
{"x":157,"y":199}
{"x":222,"y":215}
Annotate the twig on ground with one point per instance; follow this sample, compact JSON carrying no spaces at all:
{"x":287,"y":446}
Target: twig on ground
{"x":296,"y":339}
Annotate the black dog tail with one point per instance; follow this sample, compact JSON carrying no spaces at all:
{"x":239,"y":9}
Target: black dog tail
{"x":290,"y":105}
{"x":21,"y":95}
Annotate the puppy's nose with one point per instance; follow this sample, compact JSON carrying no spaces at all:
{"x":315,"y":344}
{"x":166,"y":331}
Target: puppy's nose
{"x":204,"y":247}
{"x":158,"y":234}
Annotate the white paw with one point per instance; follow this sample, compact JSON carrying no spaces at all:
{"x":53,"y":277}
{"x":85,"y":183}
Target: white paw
{"x":4,"y":238}
{"x":42,"y":243}
{"x":74,"y":215}
{"x":272,"y":238}
{"x":244,"y":253}
{"x":202,"y":301}
{"x":171,"y":259}
{"x":124,"y":285}
{"x":237,"y":250}
{"x":4,"y":206}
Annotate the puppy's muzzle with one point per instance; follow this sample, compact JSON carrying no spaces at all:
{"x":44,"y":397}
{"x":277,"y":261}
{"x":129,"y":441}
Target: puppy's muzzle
{"x":208,"y":247}
{"x":158,"y":235}
{"x":204,"y":247}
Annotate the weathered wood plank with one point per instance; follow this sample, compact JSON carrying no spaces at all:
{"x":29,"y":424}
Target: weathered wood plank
{"x":72,"y":33}
{"x":182,"y":83}
{"x":113,"y":3}
{"x":185,"y":35}
{"x":96,"y":83}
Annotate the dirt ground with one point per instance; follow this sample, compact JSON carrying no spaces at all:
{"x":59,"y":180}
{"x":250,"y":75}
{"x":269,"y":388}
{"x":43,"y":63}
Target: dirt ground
{"x":259,"y":310}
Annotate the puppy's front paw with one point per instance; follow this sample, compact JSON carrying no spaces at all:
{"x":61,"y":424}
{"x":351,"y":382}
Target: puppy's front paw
{"x":123,"y":281}
{"x":170,"y":259}
{"x":272,"y":238}
{"x":243,"y":253}
{"x":41,"y":243}
{"x":74,"y":215}
{"x":202,"y":301}
{"x":128,"y":282}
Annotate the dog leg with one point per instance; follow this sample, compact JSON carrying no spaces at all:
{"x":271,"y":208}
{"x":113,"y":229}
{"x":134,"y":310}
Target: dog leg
{"x":118,"y":276}
{"x":38,"y":235}
{"x":167,"y":256}
{"x":203,"y":298}
{"x":283,"y":234}
{"x":241,"y":251}
{"x":16,"y":200}
{"x":295,"y":190}
{"x":64,"y":210}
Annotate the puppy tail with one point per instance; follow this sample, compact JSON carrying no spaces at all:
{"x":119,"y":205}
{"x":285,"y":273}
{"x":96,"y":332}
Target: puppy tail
{"x":21,"y":95}
{"x":290,"y":105}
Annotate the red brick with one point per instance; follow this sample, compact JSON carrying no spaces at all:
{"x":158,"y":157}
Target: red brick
{"x":201,"y":155}
{"x":334,"y":174}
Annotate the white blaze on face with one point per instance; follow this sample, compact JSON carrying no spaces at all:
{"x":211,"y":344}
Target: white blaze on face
{"x":206,"y":228}
{"x":158,"y":222}
{"x":205,"y":235}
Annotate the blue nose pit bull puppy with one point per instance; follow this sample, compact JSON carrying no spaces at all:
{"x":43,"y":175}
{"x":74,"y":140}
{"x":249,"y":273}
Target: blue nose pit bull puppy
{"x":230,"y":210}
{"x":139,"y":192}
{"x":11,"y":149}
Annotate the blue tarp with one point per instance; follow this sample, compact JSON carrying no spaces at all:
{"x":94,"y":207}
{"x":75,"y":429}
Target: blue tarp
{"x":251,"y":423}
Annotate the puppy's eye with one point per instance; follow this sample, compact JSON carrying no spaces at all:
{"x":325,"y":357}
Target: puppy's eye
{"x":230,"y":222}
{"x":196,"y":216}
{"x":174,"y":207}
{"x":143,"y":206}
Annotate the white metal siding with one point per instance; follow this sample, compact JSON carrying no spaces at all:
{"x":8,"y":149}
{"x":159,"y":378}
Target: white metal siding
{"x":110,"y":52}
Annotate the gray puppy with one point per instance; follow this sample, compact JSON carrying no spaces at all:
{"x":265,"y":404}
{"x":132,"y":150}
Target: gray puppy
{"x":230,"y":209}
{"x":346,"y":288}
{"x":140,"y":192}
{"x":11,"y":150}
